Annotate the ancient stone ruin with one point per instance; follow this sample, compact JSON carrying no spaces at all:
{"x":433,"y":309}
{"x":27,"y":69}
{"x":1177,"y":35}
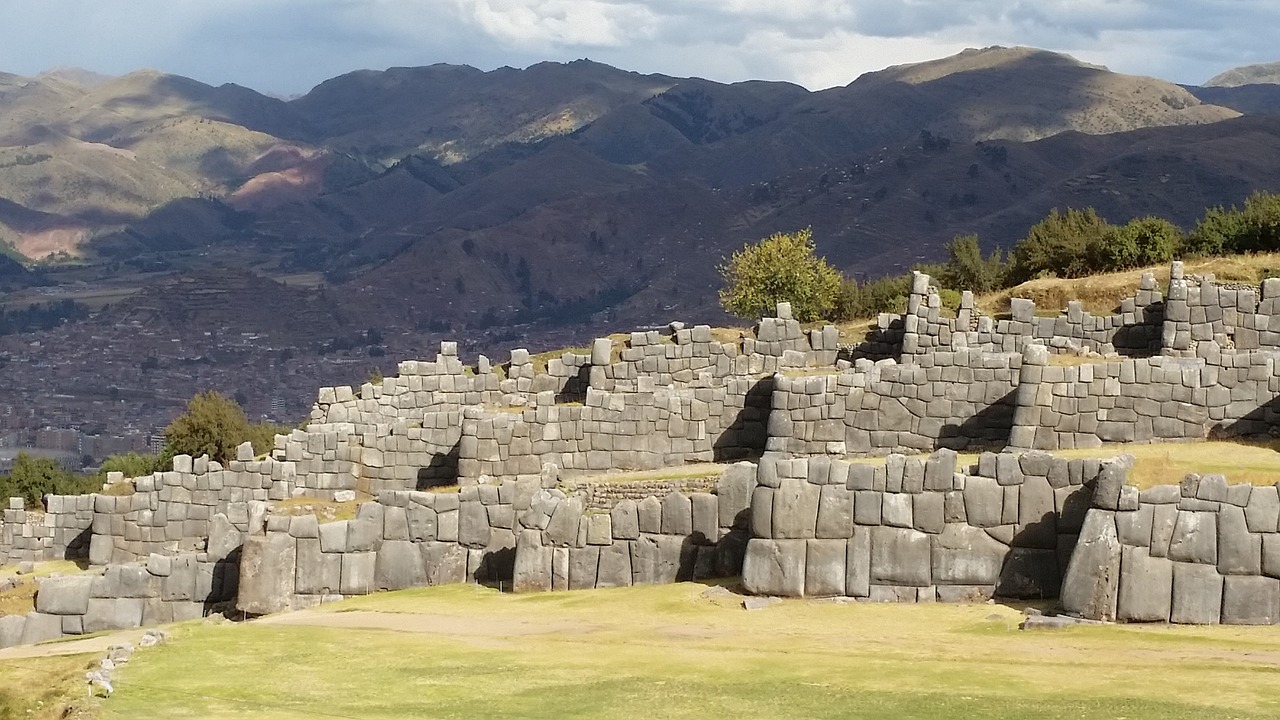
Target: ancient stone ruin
{"x":820,"y":487}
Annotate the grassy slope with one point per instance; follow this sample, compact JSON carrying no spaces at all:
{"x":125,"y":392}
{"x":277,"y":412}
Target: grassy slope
{"x":678,"y":652}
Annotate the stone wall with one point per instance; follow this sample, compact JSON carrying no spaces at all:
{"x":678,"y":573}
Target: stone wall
{"x":161,"y":590}
{"x":944,"y":399}
{"x":680,"y":536}
{"x":174,"y":511}
{"x":1144,"y":399}
{"x":914,"y":529}
{"x":1136,"y":329}
{"x":1203,"y":552}
{"x":642,"y":430}
{"x":59,"y":531}
{"x":1231,"y":315}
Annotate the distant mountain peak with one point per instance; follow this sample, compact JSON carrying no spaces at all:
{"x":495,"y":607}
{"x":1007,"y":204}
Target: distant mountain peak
{"x":1264,"y":74}
{"x":976,"y":59}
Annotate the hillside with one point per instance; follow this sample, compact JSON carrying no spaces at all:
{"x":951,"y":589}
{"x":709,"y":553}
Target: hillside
{"x":513,"y":204}
{"x":1247,"y":75}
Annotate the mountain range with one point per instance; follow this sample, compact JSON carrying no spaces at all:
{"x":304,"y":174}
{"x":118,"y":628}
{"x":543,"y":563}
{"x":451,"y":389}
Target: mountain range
{"x":449,"y":200}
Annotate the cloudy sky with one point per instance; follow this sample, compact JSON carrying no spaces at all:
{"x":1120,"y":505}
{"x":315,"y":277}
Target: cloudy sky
{"x":287,"y":46}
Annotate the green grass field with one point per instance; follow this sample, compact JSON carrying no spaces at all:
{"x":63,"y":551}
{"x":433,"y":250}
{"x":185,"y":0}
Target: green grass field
{"x":689,"y":651}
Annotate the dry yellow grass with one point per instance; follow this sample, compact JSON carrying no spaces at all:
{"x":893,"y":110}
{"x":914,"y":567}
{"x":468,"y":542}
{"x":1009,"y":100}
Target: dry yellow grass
{"x":21,"y":599}
{"x":1254,"y":463}
{"x":1102,"y":293}
{"x":1168,"y":463}
{"x":325,"y":510}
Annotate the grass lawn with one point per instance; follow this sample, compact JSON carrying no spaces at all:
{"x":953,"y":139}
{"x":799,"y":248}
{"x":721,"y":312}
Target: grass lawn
{"x":46,"y":688}
{"x":689,"y":651}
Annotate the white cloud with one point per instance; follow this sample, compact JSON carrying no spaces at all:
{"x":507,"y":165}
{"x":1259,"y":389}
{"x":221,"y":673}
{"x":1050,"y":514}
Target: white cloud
{"x":289,"y":45}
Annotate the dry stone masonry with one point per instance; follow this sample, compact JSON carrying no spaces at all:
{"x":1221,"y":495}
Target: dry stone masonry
{"x":499,"y":473}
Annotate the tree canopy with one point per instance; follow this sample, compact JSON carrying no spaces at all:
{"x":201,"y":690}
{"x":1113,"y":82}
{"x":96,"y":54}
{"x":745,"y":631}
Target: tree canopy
{"x":783,"y":267}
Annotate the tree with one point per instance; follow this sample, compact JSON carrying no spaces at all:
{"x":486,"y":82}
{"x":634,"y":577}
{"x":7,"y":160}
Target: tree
{"x":212,"y":425}
{"x":1058,"y":244}
{"x":966,"y":269}
{"x":783,"y":267}
{"x":1255,"y":228}
{"x":1138,"y":243}
{"x":131,"y":464}
{"x":32,"y":477}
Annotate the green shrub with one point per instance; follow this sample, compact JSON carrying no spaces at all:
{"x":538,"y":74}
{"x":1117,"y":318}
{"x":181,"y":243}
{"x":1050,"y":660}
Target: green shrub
{"x":780,"y":268}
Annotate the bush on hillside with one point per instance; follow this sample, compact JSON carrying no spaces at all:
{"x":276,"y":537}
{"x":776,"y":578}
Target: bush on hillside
{"x":1138,"y":243}
{"x":967,"y":269}
{"x":1057,"y":245}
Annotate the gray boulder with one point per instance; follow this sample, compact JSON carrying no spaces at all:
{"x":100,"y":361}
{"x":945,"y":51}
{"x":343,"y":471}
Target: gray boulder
{"x":112,"y":614}
{"x":64,"y":595}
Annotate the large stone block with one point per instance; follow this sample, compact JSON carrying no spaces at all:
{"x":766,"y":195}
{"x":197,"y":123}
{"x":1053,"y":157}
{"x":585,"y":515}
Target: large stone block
{"x":1197,"y":594}
{"x":1146,"y":587}
{"x":399,"y":565}
{"x":11,"y":627}
{"x":1091,"y":585}
{"x":1037,"y":516}
{"x":825,"y":565}
{"x":318,"y":573}
{"x":677,"y":514}
{"x":584,"y":564}
{"x":900,"y":556}
{"x":625,"y":520}
{"x":733,"y":494}
{"x":38,"y":627}
{"x":357,"y":576}
{"x":1195,"y":538}
{"x":268,"y":564}
{"x":1239,"y":551}
{"x":795,"y":509}
{"x":473,"y":524}
{"x":661,"y":559}
{"x":983,"y":501}
{"x":928,"y":512}
{"x":835,"y":512}
{"x":1250,"y":600}
{"x":615,"y":565}
{"x":1263,"y":510}
{"x":774,"y":567}
{"x":446,"y":563}
{"x":112,"y":614}
{"x":64,"y":595}
{"x":562,"y":530}
{"x":532,"y":571}
{"x":965,"y":555}
{"x":857,"y":579}
{"x":706,"y":525}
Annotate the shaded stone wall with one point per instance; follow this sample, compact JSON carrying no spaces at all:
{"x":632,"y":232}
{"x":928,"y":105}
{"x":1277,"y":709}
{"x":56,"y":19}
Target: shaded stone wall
{"x":1203,"y":552}
{"x":944,"y":399}
{"x":913,"y":529}
{"x":618,"y":430}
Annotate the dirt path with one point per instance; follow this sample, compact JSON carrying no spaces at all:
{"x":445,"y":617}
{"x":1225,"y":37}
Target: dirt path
{"x":96,"y":644}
